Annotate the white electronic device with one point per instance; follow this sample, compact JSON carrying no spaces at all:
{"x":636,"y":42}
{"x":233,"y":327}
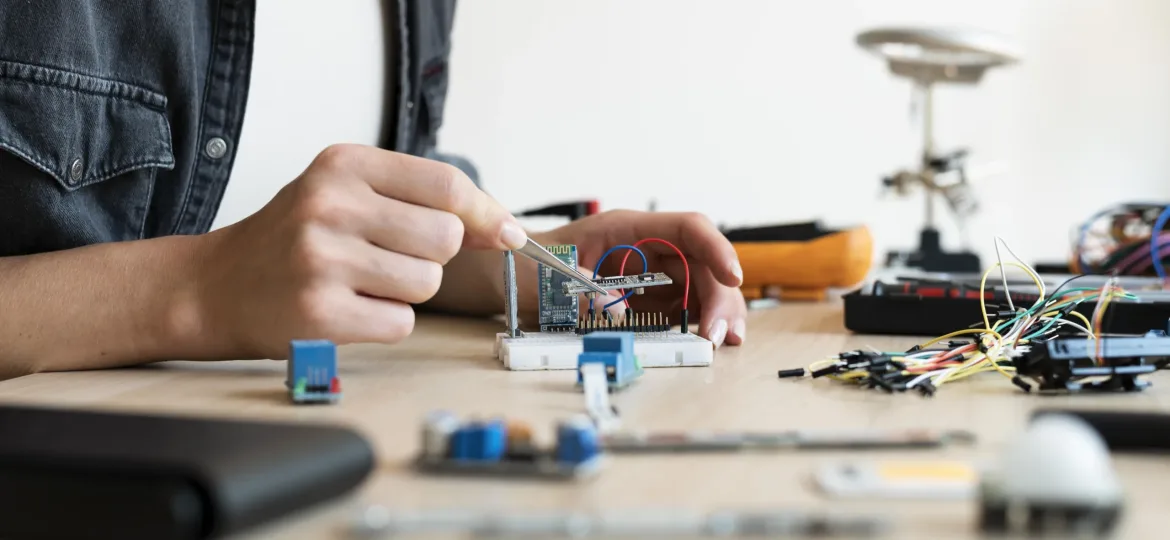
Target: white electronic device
{"x":1056,"y":479}
{"x":919,"y":480}
{"x":544,"y":351}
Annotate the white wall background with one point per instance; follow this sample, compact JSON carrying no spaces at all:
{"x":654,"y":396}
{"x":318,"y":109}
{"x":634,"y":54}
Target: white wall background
{"x":766,"y":111}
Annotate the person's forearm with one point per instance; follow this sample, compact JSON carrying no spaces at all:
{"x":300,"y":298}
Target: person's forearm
{"x":98,"y":306}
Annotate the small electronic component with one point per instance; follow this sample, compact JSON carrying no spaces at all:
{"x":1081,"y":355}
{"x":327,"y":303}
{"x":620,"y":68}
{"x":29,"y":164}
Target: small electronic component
{"x":1067,"y":364}
{"x":900,"y":480}
{"x":636,"y":322}
{"x":496,"y":448}
{"x":312,"y":372}
{"x":1055,"y":480}
{"x":558,"y":343}
{"x":379,"y":522}
{"x":878,"y":370}
{"x":558,"y":310}
{"x":615,"y":353}
{"x":790,"y":440}
{"x":636,"y":282}
{"x":596,"y":389}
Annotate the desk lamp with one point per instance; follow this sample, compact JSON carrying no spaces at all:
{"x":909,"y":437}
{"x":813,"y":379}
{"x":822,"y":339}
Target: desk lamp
{"x":928,"y":57}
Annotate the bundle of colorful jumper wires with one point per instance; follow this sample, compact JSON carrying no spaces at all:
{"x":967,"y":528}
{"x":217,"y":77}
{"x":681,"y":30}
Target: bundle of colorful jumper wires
{"x":1005,"y":334}
{"x":1128,"y":239}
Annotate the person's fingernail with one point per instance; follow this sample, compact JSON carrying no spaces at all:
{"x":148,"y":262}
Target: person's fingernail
{"x":512,"y":236}
{"x":739,"y":329}
{"x":737,"y":271}
{"x":718,"y":332}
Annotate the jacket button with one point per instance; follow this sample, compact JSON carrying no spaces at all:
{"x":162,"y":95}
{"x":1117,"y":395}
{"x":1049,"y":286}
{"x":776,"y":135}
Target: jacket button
{"x":75,"y":171}
{"x":216,"y":148}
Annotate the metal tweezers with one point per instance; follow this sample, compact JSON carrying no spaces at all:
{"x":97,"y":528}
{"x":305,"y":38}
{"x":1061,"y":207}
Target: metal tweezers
{"x":536,"y":252}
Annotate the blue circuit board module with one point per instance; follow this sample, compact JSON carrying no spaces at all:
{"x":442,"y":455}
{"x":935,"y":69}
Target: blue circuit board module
{"x":558,"y":310}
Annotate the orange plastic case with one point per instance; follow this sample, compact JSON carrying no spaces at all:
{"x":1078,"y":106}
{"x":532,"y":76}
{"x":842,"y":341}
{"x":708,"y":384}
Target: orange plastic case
{"x":805,"y":269}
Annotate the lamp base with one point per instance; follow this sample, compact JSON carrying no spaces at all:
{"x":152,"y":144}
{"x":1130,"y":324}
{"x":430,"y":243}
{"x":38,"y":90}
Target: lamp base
{"x":930,"y":257}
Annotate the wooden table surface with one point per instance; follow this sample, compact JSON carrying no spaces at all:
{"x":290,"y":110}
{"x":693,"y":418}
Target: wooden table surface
{"x":448,"y":364}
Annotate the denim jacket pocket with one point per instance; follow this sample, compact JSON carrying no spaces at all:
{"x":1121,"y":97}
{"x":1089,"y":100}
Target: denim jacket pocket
{"x":78,"y":157}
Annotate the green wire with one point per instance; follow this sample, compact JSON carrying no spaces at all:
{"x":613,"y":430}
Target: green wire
{"x":1049,"y":306}
{"x":1044,"y":328}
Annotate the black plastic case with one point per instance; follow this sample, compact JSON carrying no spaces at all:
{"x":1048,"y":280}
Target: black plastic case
{"x":71,"y":474}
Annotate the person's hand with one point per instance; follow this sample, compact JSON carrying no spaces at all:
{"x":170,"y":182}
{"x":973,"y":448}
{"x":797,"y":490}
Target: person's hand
{"x":715,"y":302}
{"x":342,"y":252}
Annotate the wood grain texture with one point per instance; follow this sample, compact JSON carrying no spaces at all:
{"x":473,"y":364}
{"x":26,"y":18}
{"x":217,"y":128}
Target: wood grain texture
{"x":448,"y":364}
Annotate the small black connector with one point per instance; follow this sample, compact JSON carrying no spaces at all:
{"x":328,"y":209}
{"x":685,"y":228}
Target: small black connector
{"x":883,"y":384}
{"x":786,"y":373}
{"x":927,"y":388}
{"x":835,"y":368}
{"x":1020,"y":382}
{"x":685,"y":327}
{"x":914,"y":349}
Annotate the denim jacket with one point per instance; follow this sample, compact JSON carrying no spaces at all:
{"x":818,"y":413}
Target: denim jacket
{"x":118,"y":118}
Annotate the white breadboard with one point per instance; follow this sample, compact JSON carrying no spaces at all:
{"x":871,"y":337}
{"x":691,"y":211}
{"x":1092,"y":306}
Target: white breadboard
{"x":537,"y":350}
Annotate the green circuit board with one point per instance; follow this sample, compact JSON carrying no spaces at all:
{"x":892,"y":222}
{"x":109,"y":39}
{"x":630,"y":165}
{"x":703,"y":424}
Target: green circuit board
{"x":558,"y":310}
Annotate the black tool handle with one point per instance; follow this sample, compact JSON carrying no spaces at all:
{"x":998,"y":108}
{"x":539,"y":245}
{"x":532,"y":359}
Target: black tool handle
{"x":1125,"y":431}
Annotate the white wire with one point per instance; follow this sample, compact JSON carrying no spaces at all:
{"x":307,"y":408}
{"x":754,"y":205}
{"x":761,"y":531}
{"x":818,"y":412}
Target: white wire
{"x":930,"y":374}
{"x":1073,"y":324}
{"x":1003,"y":275}
{"x":1032,"y":271}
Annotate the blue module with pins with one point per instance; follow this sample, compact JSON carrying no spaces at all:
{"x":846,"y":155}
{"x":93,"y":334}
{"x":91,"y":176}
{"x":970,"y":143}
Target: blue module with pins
{"x":576,"y":442}
{"x":478,"y":441}
{"x":312,"y":372}
{"x":614,"y":350}
{"x":499,"y":448}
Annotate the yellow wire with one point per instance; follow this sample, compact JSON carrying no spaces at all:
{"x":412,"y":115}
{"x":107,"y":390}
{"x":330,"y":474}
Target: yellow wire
{"x":1099,"y":318}
{"x":1088,"y":324}
{"x":983,"y":287}
{"x":975,"y":359}
{"x":981,"y":362}
{"x":953,"y":334}
{"x":982,"y":369}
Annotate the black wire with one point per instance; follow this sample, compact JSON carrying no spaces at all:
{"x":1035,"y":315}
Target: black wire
{"x":1052,"y":297}
{"x":1064,"y":284}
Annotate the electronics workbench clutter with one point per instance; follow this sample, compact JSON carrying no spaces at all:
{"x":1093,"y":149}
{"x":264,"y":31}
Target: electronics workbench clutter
{"x":325,"y":326}
{"x":1045,"y":338}
{"x":1037,"y":338}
